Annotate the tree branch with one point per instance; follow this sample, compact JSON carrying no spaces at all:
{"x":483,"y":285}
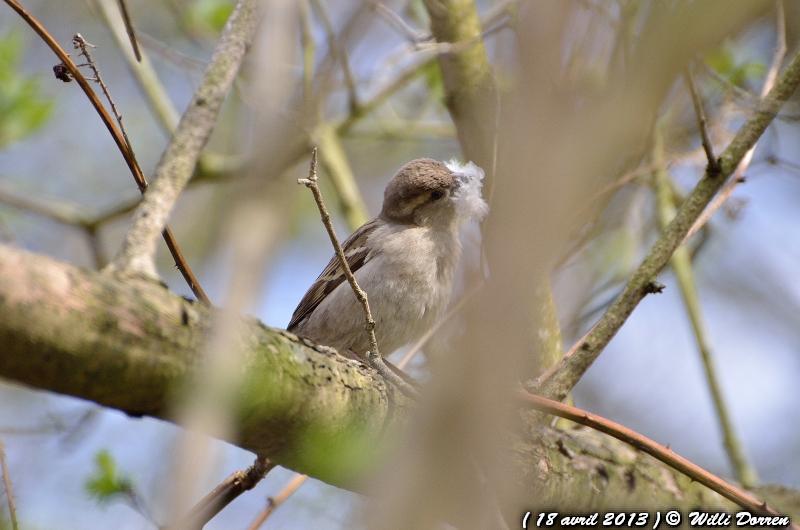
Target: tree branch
{"x":131,"y":344}
{"x":769,"y":81}
{"x":118,"y":137}
{"x":225,"y":493}
{"x":643,"y":443}
{"x":178,"y":162}
{"x":559,"y":381}
{"x":681,"y":263}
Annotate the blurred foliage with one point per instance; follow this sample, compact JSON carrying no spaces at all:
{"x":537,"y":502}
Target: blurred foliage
{"x":738,"y":72}
{"x":209,"y":16}
{"x":434,"y":81}
{"x":23,"y":110}
{"x":106,"y":482}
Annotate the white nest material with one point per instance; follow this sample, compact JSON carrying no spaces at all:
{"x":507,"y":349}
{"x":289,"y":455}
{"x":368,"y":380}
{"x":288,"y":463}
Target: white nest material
{"x":468,"y":195}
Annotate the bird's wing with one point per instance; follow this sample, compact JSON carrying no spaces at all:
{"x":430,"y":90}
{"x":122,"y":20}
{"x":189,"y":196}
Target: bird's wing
{"x":356,"y":253}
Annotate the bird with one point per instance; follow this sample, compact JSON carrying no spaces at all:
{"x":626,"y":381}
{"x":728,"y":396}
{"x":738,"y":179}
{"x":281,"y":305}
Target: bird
{"x":405,"y":260}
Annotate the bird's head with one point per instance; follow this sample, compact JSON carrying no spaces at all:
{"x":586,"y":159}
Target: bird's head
{"x":428,"y":192}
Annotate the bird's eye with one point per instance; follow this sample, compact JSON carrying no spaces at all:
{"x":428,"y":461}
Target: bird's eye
{"x":436,"y":195}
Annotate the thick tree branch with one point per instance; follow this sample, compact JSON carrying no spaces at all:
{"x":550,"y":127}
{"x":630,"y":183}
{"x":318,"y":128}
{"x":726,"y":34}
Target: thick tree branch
{"x":567,"y":373}
{"x":131,"y":344}
{"x":178,"y":162}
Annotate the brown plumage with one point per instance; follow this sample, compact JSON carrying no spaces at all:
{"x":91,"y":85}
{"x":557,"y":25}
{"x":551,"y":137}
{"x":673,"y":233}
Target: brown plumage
{"x":404,"y":259}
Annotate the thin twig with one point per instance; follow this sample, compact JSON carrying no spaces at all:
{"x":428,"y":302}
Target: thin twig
{"x":119,"y":139}
{"x":225,"y":493}
{"x":123,"y":8}
{"x":702,"y":123}
{"x":274,"y":502}
{"x":396,"y":21}
{"x":338,"y":51}
{"x":209,"y":165}
{"x":681,"y":263}
{"x":12,"y":510}
{"x":572,"y":367}
{"x":400,"y":81}
{"x":373,"y":355}
{"x":82,"y":45}
{"x":653,"y":448}
{"x":769,"y":82}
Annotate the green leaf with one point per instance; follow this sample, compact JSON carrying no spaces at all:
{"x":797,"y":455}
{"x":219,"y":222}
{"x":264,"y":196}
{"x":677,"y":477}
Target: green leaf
{"x":209,"y":15}
{"x":723,"y":60}
{"x":106,"y":482}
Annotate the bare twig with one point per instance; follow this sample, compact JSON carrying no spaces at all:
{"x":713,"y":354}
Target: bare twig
{"x":82,"y":45}
{"x":651,"y":447}
{"x":572,"y":367}
{"x":274,"y":502}
{"x":396,"y":21}
{"x":400,"y":81}
{"x":682,"y":267}
{"x":142,"y":70}
{"x":373,"y":355}
{"x":209,"y":165}
{"x":119,"y":139}
{"x":769,"y":83}
{"x":123,"y":8}
{"x":180,"y":158}
{"x":338,"y":50}
{"x":12,"y":510}
{"x":225,"y":493}
{"x":702,"y":123}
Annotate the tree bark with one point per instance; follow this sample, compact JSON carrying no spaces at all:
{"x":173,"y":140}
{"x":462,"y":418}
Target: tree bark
{"x":130,"y":345}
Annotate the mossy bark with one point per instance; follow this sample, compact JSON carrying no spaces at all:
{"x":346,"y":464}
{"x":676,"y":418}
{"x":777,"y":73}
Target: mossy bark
{"x":131,"y":344}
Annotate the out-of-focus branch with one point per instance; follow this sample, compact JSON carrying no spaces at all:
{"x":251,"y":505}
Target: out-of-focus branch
{"x":126,"y":16}
{"x":467,"y":77}
{"x":397,"y":83}
{"x":338,"y":50}
{"x":702,"y":123}
{"x":142,"y":69}
{"x":210,"y":166}
{"x":274,"y":502}
{"x":130,"y":344}
{"x":334,"y":161}
{"x":309,"y":49}
{"x":769,"y":81}
{"x":397,"y":23}
{"x":180,"y":158}
{"x":225,"y":493}
{"x":568,"y":372}
{"x":119,"y":139}
{"x":12,"y":509}
{"x":681,"y":263}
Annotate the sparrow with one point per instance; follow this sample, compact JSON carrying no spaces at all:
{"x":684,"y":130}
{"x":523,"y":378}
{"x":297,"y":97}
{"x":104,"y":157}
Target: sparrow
{"x":404,"y":259}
